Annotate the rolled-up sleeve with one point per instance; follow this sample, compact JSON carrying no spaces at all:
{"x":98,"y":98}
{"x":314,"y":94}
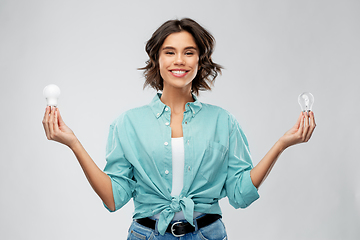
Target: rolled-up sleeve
{"x":119,"y":169}
{"x":240,"y":190}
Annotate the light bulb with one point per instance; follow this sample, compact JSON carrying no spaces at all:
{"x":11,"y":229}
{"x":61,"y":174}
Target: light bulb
{"x":51,"y":93}
{"x":306,"y":100}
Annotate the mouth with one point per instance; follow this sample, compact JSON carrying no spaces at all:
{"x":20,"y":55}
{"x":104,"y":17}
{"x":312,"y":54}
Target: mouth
{"x":179,"y":72}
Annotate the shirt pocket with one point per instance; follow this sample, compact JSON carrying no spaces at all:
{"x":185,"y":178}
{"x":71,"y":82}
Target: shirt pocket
{"x":213,"y":162}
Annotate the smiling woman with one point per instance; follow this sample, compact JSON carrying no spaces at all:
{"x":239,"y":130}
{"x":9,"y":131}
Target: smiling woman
{"x":177,"y":157}
{"x":201,"y":43}
{"x":178,"y":61}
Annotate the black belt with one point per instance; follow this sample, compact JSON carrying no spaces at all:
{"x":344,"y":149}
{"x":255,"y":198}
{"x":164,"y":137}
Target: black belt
{"x":179,"y":229}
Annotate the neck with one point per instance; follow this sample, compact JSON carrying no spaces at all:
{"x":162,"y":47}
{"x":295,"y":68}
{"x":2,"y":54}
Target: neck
{"x":176,"y":98}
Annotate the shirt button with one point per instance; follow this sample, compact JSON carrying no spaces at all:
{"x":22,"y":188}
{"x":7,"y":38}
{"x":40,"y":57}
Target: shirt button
{"x":166,"y":143}
{"x":185,"y":122}
{"x":166,"y":172}
{"x":167,"y":124}
{"x":189,"y":168}
{"x":157,"y":114}
{"x":166,"y":109}
{"x":193,"y":112}
{"x":188,"y":142}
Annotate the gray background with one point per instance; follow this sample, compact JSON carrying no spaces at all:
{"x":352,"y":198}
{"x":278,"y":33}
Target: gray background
{"x":272,"y":51}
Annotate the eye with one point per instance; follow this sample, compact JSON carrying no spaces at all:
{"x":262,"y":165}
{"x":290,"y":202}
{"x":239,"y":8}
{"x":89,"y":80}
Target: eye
{"x":189,"y":53}
{"x":169,"y":53}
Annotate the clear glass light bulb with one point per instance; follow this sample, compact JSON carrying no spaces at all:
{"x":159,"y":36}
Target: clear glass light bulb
{"x":51,"y":93}
{"x":306,"y":101}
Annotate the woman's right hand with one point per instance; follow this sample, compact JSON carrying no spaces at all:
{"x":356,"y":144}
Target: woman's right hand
{"x":56,"y":129}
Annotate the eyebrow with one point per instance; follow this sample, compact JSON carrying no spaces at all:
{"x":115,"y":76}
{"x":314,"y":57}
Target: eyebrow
{"x":172,"y":48}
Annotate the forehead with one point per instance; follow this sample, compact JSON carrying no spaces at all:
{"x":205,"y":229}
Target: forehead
{"x":181,"y":39}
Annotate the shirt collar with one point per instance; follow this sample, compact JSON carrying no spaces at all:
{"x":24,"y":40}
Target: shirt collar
{"x":158,"y":107}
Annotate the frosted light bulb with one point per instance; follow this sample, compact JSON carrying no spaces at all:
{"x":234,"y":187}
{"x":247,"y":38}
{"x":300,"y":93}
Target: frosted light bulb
{"x":51,"y":93}
{"x":306,"y":100}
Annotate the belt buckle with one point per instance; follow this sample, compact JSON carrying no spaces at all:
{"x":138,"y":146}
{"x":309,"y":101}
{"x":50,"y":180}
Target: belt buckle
{"x":172,"y":230}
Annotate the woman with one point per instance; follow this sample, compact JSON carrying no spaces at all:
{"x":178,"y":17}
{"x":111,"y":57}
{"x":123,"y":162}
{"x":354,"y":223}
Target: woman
{"x":176,"y":157}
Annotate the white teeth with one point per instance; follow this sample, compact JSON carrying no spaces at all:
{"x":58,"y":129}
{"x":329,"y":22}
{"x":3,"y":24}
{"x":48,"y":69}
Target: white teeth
{"x":178,"y":72}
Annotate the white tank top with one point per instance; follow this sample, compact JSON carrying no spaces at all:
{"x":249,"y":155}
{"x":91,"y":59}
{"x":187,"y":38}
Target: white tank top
{"x":178,"y":162}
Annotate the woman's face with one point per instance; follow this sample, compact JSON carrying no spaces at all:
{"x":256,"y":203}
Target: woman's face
{"x":179,"y":60}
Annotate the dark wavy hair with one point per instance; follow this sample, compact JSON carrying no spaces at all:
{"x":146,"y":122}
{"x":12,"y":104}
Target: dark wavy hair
{"x":208,"y":70}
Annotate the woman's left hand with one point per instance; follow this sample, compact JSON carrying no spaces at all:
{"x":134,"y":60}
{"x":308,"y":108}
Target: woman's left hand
{"x":301,"y":131}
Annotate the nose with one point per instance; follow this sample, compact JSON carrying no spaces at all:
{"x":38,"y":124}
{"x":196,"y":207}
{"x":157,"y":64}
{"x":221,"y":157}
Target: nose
{"x":179,"y":60}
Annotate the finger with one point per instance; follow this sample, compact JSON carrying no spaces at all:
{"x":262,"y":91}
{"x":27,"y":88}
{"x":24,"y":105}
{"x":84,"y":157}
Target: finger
{"x":301,"y":126}
{"x":61,"y":121}
{"x":51,"y":121}
{"x":306,"y":125}
{"x":312,"y":119}
{"x":312,"y":126}
{"x":46,"y":114}
{"x":298,"y":121}
{"x":45,"y":122}
{"x":56,"y":123}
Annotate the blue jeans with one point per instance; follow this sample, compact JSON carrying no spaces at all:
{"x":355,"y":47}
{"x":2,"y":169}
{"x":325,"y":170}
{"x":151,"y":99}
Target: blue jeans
{"x":214,"y":231}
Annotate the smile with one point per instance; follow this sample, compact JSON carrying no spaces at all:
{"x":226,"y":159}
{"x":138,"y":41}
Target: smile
{"x":179,"y":73}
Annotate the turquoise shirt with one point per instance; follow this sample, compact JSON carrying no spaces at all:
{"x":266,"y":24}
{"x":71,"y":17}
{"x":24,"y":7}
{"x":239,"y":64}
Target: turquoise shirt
{"x":217,"y":161}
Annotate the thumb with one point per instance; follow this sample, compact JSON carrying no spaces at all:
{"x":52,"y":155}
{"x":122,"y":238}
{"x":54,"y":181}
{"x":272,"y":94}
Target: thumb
{"x":298,"y":122}
{"x":61,"y":121}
